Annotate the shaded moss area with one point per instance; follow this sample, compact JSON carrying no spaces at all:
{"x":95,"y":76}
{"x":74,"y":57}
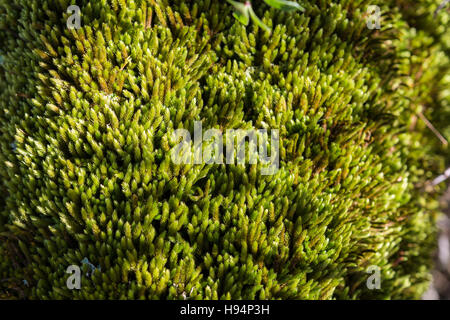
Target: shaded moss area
{"x":86,"y":123}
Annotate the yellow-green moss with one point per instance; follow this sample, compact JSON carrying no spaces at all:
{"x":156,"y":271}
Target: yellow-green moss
{"x":86,"y":117}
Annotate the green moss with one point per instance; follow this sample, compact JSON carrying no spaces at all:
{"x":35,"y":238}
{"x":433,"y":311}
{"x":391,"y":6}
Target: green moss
{"x":86,"y":119}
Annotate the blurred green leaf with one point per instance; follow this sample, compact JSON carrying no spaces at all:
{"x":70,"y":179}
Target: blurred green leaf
{"x":284,"y":5}
{"x":241,"y":12}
